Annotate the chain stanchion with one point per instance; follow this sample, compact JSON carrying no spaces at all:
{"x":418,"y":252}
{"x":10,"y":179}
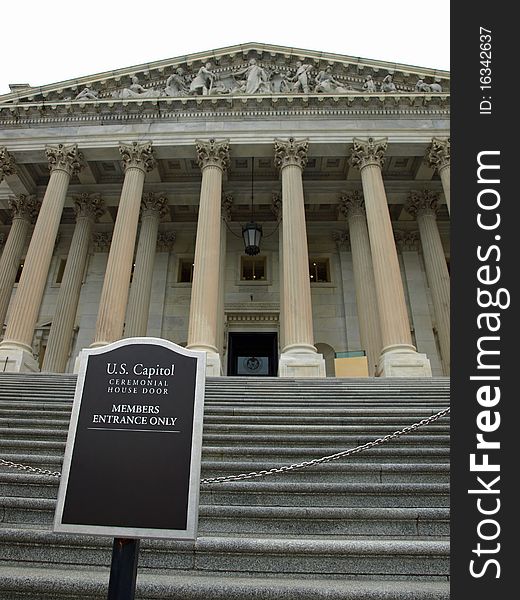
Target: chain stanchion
{"x":274,"y":470}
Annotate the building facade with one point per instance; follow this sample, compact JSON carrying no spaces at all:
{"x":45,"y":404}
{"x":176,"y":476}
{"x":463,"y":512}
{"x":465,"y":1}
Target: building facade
{"x":124,"y":196}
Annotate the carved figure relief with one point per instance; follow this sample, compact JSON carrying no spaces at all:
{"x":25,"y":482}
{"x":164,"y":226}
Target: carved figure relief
{"x":420,"y":86}
{"x":256,"y":79}
{"x":388,"y":85}
{"x":203,"y":82}
{"x":176,"y":84}
{"x":87,"y":93}
{"x":327,"y":84}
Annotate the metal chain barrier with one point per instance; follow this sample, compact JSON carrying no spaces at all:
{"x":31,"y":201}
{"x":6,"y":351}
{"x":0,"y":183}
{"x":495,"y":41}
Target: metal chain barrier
{"x":28,"y":468}
{"x":274,"y":470}
{"x":326,"y":459}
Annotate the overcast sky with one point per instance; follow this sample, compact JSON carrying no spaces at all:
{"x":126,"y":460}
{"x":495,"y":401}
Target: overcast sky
{"x":47,"y":42}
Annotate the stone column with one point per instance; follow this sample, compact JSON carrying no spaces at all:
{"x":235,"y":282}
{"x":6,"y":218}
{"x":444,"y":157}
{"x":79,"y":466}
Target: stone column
{"x":227,"y":202}
{"x":213,"y":158}
{"x":64,"y":161}
{"x":418,"y":300}
{"x":423,"y":205}
{"x":298,"y":357}
{"x":24,"y":210}
{"x":352,"y":206}
{"x":137,"y":161}
{"x":398,"y":356}
{"x":276,"y":208}
{"x":153,"y":209}
{"x":88,"y":208}
{"x":438,"y":157}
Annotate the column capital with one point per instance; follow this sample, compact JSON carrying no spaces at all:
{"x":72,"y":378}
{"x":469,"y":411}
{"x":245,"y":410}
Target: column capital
{"x":166,"y":240}
{"x":290,"y":152}
{"x":102,"y":241}
{"x":136,"y":155}
{"x":276,"y":204}
{"x":408,"y":241}
{"x":342,"y":238}
{"x":351,"y":204}
{"x":90,"y":206}
{"x":7,"y":163}
{"x":64,"y":157}
{"x":422,"y":202}
{"x":227,"y":203}
{"x":369,"y":152}
{"x":24,"y":207}
{"x":438,"y":153}
{"x":212,"y":154}
{"x":153,"y":204}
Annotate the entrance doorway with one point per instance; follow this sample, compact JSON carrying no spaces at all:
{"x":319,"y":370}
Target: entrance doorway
{"x":253,"y":354}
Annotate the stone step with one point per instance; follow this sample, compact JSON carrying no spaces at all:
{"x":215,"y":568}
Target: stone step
{"x":354,"y":471}
{"x":283,"y":438}
{"x":238,"y":554}
{"x":279,"y":520}
{"x":52,"y":583}
{"x":49,"y":427}
{"x":263,"y":455}
{"x":270,"y":491}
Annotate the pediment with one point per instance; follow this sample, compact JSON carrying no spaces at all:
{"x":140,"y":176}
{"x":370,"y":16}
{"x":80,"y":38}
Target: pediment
{"x":245,"y":70}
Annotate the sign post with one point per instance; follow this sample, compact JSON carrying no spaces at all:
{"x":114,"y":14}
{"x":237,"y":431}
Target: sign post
{"x":132,"y":460}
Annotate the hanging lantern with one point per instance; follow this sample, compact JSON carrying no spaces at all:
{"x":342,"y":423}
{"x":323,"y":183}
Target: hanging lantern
{"x":252,"y":234}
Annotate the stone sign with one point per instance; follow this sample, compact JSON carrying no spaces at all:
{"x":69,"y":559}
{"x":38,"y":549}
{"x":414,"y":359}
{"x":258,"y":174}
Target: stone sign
{"x":132,"y":461}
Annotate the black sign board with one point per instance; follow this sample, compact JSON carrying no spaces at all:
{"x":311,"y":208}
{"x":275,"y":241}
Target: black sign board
{"x":132,"y":461}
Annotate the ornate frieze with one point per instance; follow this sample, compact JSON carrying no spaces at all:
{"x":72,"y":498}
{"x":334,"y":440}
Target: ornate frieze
{"x":351,"y":204}
{"x":247,"y":72}
{"x":407,"y":241}
{"x":7,"y":164}
{"x":152,"y":204}
{"x":291,"y":152}
{"x":276,"y":204}
{"x":227,"y":203}
{"x":137,"y":155}
{"x":212,"y":153}
{"x":341,"y":238}
{"x":422,"y":202}
{"x":165,"y":241}
{"x":90,"y":206}
{"x":371,"y":152}
{"x":101,"y":241}
{"x":24,"y":206}
{"x":64,"y":157}
{"x":438,"y":153}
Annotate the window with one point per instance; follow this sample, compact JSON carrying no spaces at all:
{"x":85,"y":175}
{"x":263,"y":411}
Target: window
{"x":252,"y":268}
{"x":19,"y":272}
{"x":319,"y":270}
{"x":61,"y":270}
{"x":185,"y":272}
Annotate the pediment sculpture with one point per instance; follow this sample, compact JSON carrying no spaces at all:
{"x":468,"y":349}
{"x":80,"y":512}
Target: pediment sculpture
{"x":305,"y":76}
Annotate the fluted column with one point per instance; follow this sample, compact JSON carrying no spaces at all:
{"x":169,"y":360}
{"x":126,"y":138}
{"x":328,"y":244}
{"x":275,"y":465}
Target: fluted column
{"x":298,"y":357}
{"x":352,"y":206}
{"x":88,"y":208}
{"x":153,"y":209}
{"x":423,"y":205}
{"x":137,"y":161}
{"x":213,"y":159}
{"x":276,"y":208}
{"x":438,"y":157}
{"x":398,"y":357}
{"x":227,"y":202}
{"x":64,"y":161}
{"x":24,"y":210}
